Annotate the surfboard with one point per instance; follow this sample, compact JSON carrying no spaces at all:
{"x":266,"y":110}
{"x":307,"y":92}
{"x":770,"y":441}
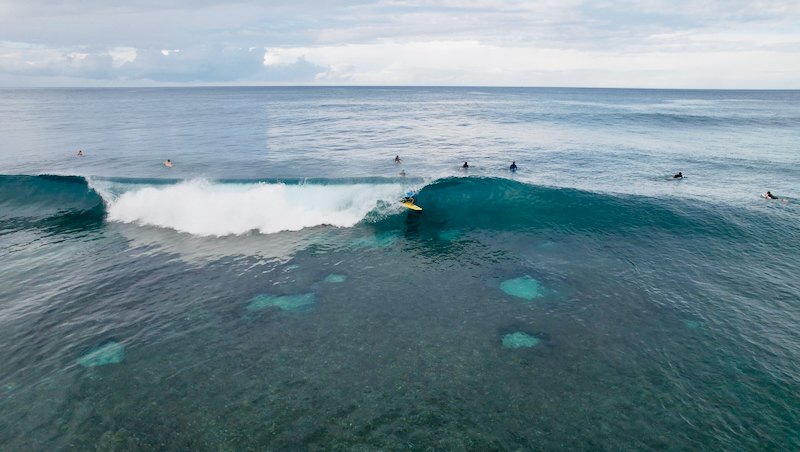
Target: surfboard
{"x":411,"y":206}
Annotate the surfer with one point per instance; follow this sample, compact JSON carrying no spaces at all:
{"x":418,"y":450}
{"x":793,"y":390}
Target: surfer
{"x":411,"y":197}
{"x":678,"y":176}
{"x":464,"y":166}
{"x":771,"y":196}
{"x":168,"y":163}
{"x":80,"y":152}
{"x":397,"y":159}
{"x":513,"y":166}
{"x":402,"y":173}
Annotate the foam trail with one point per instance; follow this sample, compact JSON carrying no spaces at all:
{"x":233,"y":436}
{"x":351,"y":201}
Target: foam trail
{"x":217,"y":209}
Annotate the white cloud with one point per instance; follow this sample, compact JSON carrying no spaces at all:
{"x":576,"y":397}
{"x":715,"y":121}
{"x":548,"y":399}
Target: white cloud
{"x":474,"y":63}
{"x":122,"y":55}
{"x":637,"y":43}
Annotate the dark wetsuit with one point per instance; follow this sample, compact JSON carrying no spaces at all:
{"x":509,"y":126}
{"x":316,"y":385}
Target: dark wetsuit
{"x":513,"y":167}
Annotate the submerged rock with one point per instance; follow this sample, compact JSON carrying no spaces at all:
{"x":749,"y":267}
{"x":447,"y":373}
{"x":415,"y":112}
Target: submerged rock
{"x":109,"y":353}
{"x":519,"y":339}
{"x":286,"y":302}
{"x":335,"y":278}
{"x":693,"y":324}
{"x":525,"y":287}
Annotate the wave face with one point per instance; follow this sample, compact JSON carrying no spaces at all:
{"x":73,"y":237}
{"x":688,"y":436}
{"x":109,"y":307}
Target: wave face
{"x":48,"y":203}
{"x":502,"y":204}
{"x":206,"y":208}
{"x":220,"y":208}
{"x":44,"y":196}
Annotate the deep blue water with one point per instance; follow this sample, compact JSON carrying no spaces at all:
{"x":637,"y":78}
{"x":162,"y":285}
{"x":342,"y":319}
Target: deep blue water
{"x":268,"y":292}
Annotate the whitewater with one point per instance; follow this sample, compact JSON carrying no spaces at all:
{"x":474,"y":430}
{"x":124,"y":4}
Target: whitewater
{"x":269,"y":292}
{"x":206,"y":208}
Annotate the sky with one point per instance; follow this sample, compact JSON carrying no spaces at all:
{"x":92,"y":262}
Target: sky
{"x":698,"y":44}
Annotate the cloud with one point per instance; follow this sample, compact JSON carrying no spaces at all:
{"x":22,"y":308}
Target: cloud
{"x":652,"y":43}
{"x":477,"y":64}
{"x":205,"y":64}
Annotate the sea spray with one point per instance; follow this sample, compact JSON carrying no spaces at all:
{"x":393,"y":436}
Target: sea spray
{"x":204,"y":208}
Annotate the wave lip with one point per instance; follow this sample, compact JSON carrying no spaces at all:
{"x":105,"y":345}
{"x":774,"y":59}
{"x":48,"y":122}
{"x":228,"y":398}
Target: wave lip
{"x":202,"y":208}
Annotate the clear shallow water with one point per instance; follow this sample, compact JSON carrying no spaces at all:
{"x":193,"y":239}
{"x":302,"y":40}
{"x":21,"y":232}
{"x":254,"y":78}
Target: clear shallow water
{"x":663,"y":313}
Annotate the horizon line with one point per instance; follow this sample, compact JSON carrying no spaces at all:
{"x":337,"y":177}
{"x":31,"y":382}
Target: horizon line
{"x":398,"y":87}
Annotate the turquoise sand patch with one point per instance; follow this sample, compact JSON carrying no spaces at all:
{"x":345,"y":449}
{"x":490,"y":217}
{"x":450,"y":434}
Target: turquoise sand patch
{"x":286,"y":302}
{"x":525,"y":287}
{"x":335,"y":278}
{"x":110,"y":353}
{"x":693,"y":324}
{"x":519,"y":339}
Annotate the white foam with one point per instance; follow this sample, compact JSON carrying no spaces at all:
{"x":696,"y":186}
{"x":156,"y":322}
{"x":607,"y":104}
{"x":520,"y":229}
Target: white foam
{"x":214,"y":209}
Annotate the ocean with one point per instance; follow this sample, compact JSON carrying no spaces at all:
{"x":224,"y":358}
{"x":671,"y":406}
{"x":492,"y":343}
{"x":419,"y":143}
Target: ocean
{"x":269,"y":293}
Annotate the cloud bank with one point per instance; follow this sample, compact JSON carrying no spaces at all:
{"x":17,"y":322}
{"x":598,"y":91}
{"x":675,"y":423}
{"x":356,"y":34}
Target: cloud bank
{"x":654,"y":44}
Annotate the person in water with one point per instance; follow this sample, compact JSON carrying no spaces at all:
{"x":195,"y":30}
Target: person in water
{"x":678,"y":176}
{"x":513,"y":166}
{"x":402,"y":173}
{"x":465,"y":166}
{"x":168,"y":163}
{"x":397,"y":159}
{"x":771,"y":196}
{"x":80,"y":152}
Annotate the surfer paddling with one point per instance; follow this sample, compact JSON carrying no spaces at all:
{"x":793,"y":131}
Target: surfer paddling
{"x":168,"y":163}
{"x":678,"y":176}
{"x":465,"y":166}
{"x":769,"y":195}
{"x":70,"y":155}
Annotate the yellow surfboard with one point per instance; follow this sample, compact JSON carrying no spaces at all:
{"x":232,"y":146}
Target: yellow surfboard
{"x":411,"y":206}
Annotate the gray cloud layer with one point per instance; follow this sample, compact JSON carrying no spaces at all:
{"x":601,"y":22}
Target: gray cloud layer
{"x":344,"y":41}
